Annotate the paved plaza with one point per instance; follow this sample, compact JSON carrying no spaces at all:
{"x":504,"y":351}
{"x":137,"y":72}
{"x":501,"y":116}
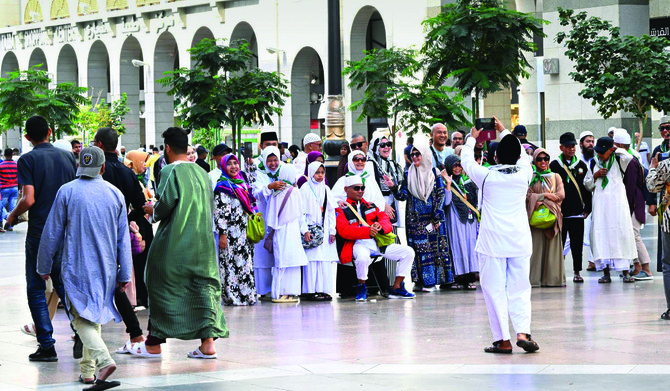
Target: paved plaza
{"x":592,"y":337}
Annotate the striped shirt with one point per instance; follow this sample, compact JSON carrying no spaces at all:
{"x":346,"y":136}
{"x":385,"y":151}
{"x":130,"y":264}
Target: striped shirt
{"x":8,"y":174}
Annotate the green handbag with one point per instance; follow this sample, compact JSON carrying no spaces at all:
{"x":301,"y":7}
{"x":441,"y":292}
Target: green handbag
{"x":382,"y":240}
{"x":542,"y":218}
{"x":255,"y":228}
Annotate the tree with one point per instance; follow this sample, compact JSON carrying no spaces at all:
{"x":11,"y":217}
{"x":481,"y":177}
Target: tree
{"x":626,"y":73}
{"x":391,"y":90}
{"x":26,"y":93}
{"x":480,"y":45}
{"x":220,"y":89}
{"x":92,"y":116}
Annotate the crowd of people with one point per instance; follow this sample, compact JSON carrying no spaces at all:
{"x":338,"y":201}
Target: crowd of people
{"x":273,"y":228}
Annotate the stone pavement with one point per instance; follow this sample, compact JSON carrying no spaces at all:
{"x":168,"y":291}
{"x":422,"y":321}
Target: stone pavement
{"x":592,"y":337}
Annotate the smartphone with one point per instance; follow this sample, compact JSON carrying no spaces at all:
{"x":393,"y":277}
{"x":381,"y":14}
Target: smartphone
{"x":248,"y":152}
{"x":489,"y":129}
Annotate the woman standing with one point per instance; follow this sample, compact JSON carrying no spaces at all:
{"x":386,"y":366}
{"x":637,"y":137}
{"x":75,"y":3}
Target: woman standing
{"x":392,"y":174}
{"x":344,"y":160}
{"x":359,"y":165}
{"x":312,"y":157}
{"x":426,"y":231}
{"x":546,"y":189}
{"x":137,"y":161}
{"x":318,"y":208}
{"x":234,"y":203}
{"x":462,"y":222}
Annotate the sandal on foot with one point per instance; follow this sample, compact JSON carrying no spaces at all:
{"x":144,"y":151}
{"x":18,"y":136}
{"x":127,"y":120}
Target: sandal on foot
{"x":125,"y":349}
{"x":140,"y":350}
{"x":666,"y":315}
{"x":528,"y":345}
{"x":456,"y":287}
{"x":100,"y":385}
{"x":470,"y":287}
{"x":628,"y":279}
{"x":604,"y":280}
{"x":29,"y":329}
{"x":198,"y":354}
{"x":577,"y":279}
{"x":495,"y":348}
{"x":84,"y":381}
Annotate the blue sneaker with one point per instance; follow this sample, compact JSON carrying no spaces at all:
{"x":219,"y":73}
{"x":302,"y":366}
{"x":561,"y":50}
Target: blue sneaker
{"x":400,"y":293}
{"x":361,"y":293}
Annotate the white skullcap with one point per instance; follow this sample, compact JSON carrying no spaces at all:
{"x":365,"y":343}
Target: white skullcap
{"x":585,"y":134}
{"x":310,"y":138}
{"x":352,"y":180}
{"x":621,"y":136}
{"x":63,"y":145}
{"x":611,"y":129}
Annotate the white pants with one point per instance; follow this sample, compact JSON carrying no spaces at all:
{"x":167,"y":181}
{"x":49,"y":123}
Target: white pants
{"x":317,"y":276}
{"x":285,"y":281}
{"x":506,"y":287}
{"x":642,"y":253}
{"x":263,"y":279}
{"x":396,"y":252}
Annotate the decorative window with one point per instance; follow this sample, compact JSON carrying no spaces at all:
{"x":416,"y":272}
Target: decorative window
{"x":33,"y":12}
{"x":86,"y":7}
{"x":116,"y":4}
{"x":141,"y":3}
{"x":59,"y":9}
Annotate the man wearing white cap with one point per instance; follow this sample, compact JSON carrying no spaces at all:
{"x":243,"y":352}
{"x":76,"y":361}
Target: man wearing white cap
{"x":359,"y":235}
{"x":586,"y":144}
{"x":311,"y":143}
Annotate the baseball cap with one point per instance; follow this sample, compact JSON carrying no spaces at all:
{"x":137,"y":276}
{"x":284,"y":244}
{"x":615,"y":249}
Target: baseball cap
{"x":91,"y":160}
{"x":221,"y":149}
{"x":519,"y":130}
{"x":604,"y":144}
{"x":567,"y":139}
{"x":200,"y":150}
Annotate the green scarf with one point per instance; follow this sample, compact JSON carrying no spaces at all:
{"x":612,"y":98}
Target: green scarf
{"x":571,"y":166}
{"x":460,"y":184}
{"x":537,"y":175}
{"x":140,"y":177}
{"x":363,"y":175}
{"x":664,"y":147}
{"x":607,"y":166}
{"x":236,"y":181}
{"x":274,"y":176}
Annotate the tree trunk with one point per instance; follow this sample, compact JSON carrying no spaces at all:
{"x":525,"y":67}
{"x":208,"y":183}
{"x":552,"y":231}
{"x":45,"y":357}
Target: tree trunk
{"x":640,"y":122}
{"x":234,"y":125}
{"x":240,"y":125}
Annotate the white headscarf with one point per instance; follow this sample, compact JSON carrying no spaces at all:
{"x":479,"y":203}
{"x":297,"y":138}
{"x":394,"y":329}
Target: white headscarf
{"x":313,"y":195}
{"x":365,"y":173}
{"x":421,"y":180}
{"x":266,"y":153}
{"x":293,"y":207}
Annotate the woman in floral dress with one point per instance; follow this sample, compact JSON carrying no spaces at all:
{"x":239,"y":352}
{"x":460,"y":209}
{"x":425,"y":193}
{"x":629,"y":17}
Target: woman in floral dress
{"x":234,"y":202}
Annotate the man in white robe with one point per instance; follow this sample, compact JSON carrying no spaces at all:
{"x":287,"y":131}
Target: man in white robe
{"x":504,"y":245}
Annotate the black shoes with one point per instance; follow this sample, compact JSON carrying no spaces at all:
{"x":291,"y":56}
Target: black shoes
{"x":78,"y":348}
{"x":44,"y":355}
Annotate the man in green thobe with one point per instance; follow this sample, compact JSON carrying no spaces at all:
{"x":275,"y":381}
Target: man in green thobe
{"x":182,"y":272}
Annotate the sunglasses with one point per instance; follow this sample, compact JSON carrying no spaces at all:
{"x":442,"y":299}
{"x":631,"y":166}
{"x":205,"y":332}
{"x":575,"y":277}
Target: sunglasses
{"x":543,"y":159}
{"x":358,"y":188}
{"x":357,"y":145}
{"x":387,"y":144}
{"x":358,"y":159}
{"x":457,"y":165}
{"x":664,"y":127}
{"x":415,"y":154}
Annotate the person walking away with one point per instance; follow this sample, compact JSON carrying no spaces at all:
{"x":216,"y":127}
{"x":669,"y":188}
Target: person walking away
{"x":9,"y":188}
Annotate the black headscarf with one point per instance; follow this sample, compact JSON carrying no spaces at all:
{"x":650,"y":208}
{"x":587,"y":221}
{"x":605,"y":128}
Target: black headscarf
{"x":461,"y":185}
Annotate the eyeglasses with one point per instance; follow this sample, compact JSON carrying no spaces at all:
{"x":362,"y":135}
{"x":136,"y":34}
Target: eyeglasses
{"x":543,"y":159}
{"x":358,"y":159}
{"x":457,"y":165}
{"x":357,"y":145}
{"x":415,"y":154}
{"x":358,"y":188}
{"x":387,"y":144}
{"x":664,"y":127}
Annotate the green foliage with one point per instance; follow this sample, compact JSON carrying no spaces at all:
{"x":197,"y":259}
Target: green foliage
{"x":480,"y":45}
{"x":26,"y":93}
{"x":618,"y":72}
{"x":207,"y":137}
{"x":221,"y":89}
{"x":93,"y":116}
{"x":391,"y":90}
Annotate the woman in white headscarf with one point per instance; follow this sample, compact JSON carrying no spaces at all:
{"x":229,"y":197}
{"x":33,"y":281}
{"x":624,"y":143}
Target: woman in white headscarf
{"x":318,"y":209}
{"x":359,"y":165}
{"x":425,"y":224}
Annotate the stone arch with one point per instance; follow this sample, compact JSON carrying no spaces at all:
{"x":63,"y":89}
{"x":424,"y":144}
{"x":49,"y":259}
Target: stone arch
{"x":38,"y":57}
{"x":9,"y":63}
{"x":200,"y":34}
{"x":132,"y":84}
{"x":368,"y":32}
{"x":307,"y":89}
{"x":243,"y":30}
{"x":67,"y":69}
{"x":98,"y":71}
{"x":166,"y":58}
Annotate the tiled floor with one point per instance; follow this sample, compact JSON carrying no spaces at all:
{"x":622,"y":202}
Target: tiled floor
{"x":592,"y":337}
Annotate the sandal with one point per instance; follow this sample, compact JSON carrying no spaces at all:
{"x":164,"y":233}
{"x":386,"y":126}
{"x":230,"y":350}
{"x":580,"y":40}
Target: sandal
{"x":285,"y":299}
{"x":200,"y":355}
{"x":591,"y":267}
{"x":628,"y":279}
{"x":577,"y":279}
{"x":604,"y":280}
{"x":125,"y":349}
{"x":29,"y":329}
{"x":666,"y":315}
{"x":81,"y":380}
{"x":100,"y":385}
{"x":456,"y":287}
{"x":529,"y":345}
{"x":470,"y":287}
{"x":495,"y":348}
{"x":140,"y":350}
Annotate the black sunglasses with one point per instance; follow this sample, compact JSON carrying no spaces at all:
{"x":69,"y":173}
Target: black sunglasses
{"x":664,"y":127}
{"x":387,"y":144}
{"x":358,"y":188}
{"x":543,"y":159}
{"x":415,"y":154}
{"x":357,"y":145}
{"x":358,"y":159}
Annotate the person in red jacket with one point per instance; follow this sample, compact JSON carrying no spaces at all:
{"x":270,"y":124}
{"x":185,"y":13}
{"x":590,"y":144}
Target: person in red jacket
{"x":360,"y":245}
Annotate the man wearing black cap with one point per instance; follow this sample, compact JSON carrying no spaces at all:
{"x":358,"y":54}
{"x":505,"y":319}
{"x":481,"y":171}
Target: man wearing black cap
{"x":268,"y":139}
{"x":504,"y":245}
{"x":577,"y":202}
{"x":202,"y":158}
{"x":612,"y":236}
{"x":521,"y":133}
{"x":218,"y":153}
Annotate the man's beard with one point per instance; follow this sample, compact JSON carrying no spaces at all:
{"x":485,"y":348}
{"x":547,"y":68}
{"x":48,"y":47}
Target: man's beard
{"x":588,"y":153}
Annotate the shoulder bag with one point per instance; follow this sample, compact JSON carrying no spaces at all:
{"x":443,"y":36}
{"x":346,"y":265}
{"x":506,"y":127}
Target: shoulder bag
{"x":382,"y":240}
{"x":268,"y":244}
{"x":542,"y":217}
{"x":316,"y":230}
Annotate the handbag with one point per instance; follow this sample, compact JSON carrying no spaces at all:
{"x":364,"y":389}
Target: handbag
{"x":542,"y":217}
{"x":255,"y":227}
{"x":382,"y":240}
{"x":268,"y":243}
{"x":316,"y":230}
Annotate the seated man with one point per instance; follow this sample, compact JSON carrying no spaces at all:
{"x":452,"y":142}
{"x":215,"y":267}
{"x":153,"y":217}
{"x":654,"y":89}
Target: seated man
{"x":360,"y":244}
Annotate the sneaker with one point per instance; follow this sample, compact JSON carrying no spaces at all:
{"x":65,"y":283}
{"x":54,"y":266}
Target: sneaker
{"x":643,"y":276}
{"x":44,"y":355}
{"x":361,"y":293}
{"x":400,"y":293}
{"x":78,"y":348}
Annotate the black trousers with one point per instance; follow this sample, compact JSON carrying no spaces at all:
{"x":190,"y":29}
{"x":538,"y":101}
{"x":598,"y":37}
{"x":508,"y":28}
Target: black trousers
{"x":127,"y":314}
{"x":574,"y":227}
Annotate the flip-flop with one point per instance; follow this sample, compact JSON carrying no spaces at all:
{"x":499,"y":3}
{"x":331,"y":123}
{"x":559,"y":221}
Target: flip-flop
{"x":81,"y":380}
{"x":528,"y":345}
{"x":29,"y":329}
{"x":143,"y":352}
{"x":103,"y":385}
{"x":578,"y":279}
{"x":494,"y":348}
{"x":125,"y":349}
{"x":200,"y":355}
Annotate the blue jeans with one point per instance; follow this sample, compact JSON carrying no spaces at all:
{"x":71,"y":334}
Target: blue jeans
{"x":36,"y":287}
{"x":9,"y":197}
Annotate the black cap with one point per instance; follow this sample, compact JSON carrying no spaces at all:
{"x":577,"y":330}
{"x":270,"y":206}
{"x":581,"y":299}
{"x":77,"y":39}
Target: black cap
{"x":221,"y":150}
{"x":567,"y":139}
{"x":519,"y":130}
{"x":201,"y":150}
{"x":509,"y":150}
{"x":604,"y":144}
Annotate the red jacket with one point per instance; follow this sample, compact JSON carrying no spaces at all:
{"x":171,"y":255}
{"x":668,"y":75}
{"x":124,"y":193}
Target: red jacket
{"x":351,"y":230}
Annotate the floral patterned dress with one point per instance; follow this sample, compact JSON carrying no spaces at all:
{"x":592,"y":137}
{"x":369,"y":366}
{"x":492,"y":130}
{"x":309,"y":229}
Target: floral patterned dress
{"x":235,"y":262}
